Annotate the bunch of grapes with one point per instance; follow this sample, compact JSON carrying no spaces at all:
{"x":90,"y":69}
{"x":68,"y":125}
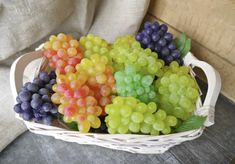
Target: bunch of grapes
{"x":156,"y":37}
{"x":34,"y":99}
{"x":82,"y":95}
{"x":126,"y":50}
{"x":92,"y":44}
{"x":131,"y":83}
{"x":63,"y":53}
{"x":100,"y":77}
{"x":129,"y":115}
{"x":178,"y":91}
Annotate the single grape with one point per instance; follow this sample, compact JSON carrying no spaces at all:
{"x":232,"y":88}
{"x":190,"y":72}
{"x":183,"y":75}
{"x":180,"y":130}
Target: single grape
{"x":134,"y":127}
{"x":24,"y":96}
{"x":122,"y":129}
{"x":171,"y":120}
{"x":17,"y":108}
{"x":145,"y":128}
{"x":36,"y":103}
{"x":146,"y":40}
{"x":46,"y":98}
{"x":18,"y":99}
{"x":162,"y":42}
{"x":27,"y":116}
{"x":165,"y":52}
{"x":163,"y":27}
{"x":25,"y":106}
{"x":137,"y":117}
{"x":32,"y":87}
{"x":44,"y":77}
{"x":139,"y":36}
{"x":155,"y":36}
{"x":158,"y":125}
{"x":36,"y":96}
{"x":46,"y":107}
{"x":38,"y":82}
{"x":149,"y":118}
{"x":172,"y":46}
{"x":43,"y":91}
{"x":147,"y":25}
{"x":168,"y":37}
{"x":155,"y":26}
{"x":54,"y":110}
{"x":166,"y":130}
{"x":47,"y":120}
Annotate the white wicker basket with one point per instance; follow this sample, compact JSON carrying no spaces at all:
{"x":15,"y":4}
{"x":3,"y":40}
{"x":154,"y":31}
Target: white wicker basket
{"x":145,"y":144}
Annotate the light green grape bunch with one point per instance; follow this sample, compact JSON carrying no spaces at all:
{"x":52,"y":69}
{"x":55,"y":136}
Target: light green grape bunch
{"x":177,"y":91}
{"x":129,"y":115}
{"x":126,"y":50}
{"x":91,"y":44}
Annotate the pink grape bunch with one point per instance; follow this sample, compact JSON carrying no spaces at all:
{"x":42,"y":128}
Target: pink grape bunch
{"x":82,"y":95}
{"x":63,"y":53}
{"x":178,"y":91}
{"x":129,"y":115}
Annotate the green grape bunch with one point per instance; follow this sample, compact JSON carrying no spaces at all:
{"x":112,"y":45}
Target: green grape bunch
{"x":131,"y":83}
{"x":177,"y":91}
{"x":91,"y":44}
{"x":126,"y":50}
{"x":128,"y":115}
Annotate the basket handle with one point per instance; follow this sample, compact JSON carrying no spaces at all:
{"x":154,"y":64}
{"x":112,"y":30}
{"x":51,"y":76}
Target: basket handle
{"x":214,"y":86}
{"x":17,"y":70}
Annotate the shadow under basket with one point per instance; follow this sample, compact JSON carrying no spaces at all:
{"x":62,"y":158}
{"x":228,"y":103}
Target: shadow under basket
{"x":144,"y":144}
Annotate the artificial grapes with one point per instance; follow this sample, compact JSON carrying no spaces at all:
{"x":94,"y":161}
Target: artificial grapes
{"x":83,"y":95}
{"x":126,"y":50}
{"x":34,"y":99}
{"x":93,"y":44}
{"x":112,"y":88}
{"x":129,"y":115}
{"x":131,"y":83}
{"x":156,"y":37}
{"x":63,"y":53}
{"x":178,"y":91}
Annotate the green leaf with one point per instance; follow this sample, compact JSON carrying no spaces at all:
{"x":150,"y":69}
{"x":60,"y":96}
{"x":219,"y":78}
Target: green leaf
{"x":187,"y":47}
{"x":194,"y":122}
{"x":183,"y":44}
{"x":72,"y":125}
{"x":180,"y":42}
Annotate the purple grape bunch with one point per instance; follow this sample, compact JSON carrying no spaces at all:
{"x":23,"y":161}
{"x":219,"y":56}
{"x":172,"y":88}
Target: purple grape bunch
{"x":34,"y":99}
{"x":156,"y":37}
